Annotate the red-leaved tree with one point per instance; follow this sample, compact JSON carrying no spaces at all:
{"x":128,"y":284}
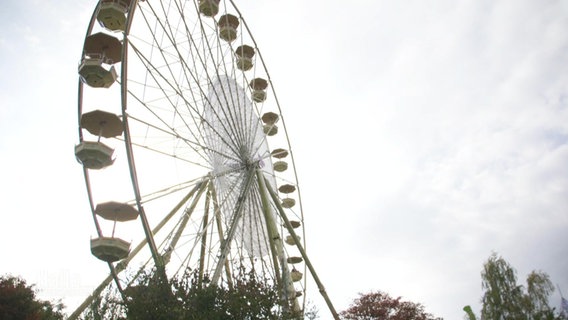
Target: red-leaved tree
{"x":18,"y":301}
{"x":380,"y":306}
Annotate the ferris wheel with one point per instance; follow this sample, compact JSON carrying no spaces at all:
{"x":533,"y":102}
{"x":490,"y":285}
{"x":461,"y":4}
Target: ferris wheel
{"x":185,"y":153}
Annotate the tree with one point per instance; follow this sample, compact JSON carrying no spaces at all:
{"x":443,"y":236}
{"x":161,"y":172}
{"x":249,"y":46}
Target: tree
{"x":380,"y":306}
{"x":504,"y":299}
{"x":152,"y":298}
{"x":191,"y":297}
{"x":105,"y":307}
{"x":18,"y":301}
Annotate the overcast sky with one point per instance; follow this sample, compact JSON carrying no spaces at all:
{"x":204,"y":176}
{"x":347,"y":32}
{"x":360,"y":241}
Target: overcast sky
{"x":426,"y":134}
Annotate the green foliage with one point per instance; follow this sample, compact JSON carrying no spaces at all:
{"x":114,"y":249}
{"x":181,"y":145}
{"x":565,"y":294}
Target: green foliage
{"x":539,"y":288}
{"x":504,"y":299}
{"x":18,"y":301}
{"x":152,"y":298}
{"x":248,"y":298}
{"x":380,"y":306}
{"x":311,"y":312}
{"x":106,"y":307}
{"x":469,"y":313}
{"x":191,"y":298}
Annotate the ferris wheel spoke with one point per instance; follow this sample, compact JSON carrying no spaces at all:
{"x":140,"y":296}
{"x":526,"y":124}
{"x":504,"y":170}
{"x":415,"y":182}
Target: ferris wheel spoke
{"x":156,"y":75}
{"x":204,"y":235}
{"x":228,"y":97}
{"x":223,"y":90}
{"x":235,"y":218}
{"x":175,"y":87}
{"x":176,"y":54}
{"x":227,"y":144}
{"x":220,"y":231}
{"x":255,"y":233}
{"x":170,"y":190}
{"x":201,"y":232}
{"x":196,"y":146}
{"x":234,"y":128}
{"x":186,"y":216}
{"x":224,"y":97}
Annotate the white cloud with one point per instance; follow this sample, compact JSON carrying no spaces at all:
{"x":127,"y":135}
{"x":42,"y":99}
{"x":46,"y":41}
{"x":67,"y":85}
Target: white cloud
{"x":426,"y":135}
{"x":455,"y":128}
